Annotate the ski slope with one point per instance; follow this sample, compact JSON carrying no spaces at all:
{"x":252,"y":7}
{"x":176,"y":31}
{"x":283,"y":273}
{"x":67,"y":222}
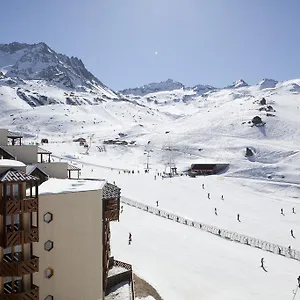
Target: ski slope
{"x":179,"y":261}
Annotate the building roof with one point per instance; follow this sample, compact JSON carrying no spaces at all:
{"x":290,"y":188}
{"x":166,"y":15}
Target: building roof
{"x":73,"y":168}
{"x":12,"y":175}
{"x":11,"y":163}
{"x":43,"y":151}
{"x":14,"y":135}
{"x":32,"y":168}
{"x":111,"y":191}
{"x":62,"y":186}
{"x":7,"y":152}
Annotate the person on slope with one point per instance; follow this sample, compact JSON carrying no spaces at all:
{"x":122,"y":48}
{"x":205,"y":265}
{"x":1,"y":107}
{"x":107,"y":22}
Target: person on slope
{"x":292,"y":233}
{"x":157,"y":203}
{"x":129,"y":238}
{"x":262,"y":262}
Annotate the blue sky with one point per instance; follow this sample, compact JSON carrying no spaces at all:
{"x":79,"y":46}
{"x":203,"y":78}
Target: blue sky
{"x":197,"y":41}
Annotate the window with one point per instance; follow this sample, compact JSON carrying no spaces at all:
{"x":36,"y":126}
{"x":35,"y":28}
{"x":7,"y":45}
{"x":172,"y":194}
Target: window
{"x":49,"y":297}
{"x":49,"y":272}
{"x":48,"y":217}
{"x":48,"y":245}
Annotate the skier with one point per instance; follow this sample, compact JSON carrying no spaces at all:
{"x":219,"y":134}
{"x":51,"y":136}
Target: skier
{"x":157,"y":203}
{"x":279,"y":250}
{"x":238,"y":217}
{"x":208,"y":195}
{"x":216,"y":213}
{"x":262,"y":262}
{"x":129,"y":238}
{"x":121,"y":208}
{"x":281,"y":210}
{"x":292,"y":233}
{"x":203,"y":186}
{"x":289,"y":249}
{"x":154,"y":177}
{"x":294,"y":210}
{"x":222,"y":197}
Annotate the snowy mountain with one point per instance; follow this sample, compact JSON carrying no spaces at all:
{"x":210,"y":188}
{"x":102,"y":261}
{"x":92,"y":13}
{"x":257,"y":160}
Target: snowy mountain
{"x":238,"y":84}
{"x":24,"y":65}
{"x":268,"y":83}
{"x":201,"y":124}
{"x":168,"y":85}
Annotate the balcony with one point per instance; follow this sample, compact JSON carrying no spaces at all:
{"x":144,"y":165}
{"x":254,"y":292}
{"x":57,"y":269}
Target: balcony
{"x":32,"y":294}
{"x":111,"y":209}
{"x":19,"y":206}
{"x":15,"y":238}
{"x":18,"y":268}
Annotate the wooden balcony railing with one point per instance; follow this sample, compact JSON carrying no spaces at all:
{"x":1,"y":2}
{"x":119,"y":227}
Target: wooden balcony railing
{"x":32,"y":294}
{"x":19,"y":268}
{"x":14,"y":207}
{"x":15,"y":238}
{"x":112,"y":209}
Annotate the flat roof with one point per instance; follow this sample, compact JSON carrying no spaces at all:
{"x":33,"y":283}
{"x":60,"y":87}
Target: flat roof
{"x":62,"y":186}
{"x":11,"y":163}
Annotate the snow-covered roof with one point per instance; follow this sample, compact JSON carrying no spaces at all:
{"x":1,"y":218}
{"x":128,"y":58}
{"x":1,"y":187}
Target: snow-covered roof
{"x":43,"y":151}
{"x":12,"y":134}
{"x":73,"y":168}
{"x":11,"y":163}
{"x":61,"y":186}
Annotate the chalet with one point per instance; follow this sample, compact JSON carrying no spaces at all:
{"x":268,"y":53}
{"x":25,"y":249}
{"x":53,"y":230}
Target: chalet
{"x":203,"y":169}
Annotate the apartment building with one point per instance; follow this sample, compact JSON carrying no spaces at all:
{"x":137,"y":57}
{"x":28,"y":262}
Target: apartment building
{"x":74,"y":215}
{"x":18,"y":231}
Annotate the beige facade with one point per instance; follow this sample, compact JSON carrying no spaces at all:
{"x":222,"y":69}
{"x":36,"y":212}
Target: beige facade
{"x":76,"y":258}
{"x":55,"y":169}
{"x":25,"y":153}
{"x":3,"y":136}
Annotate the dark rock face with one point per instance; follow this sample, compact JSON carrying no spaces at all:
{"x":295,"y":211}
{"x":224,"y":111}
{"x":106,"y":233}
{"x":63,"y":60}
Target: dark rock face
{"x":257,"y":121}
{"x":263,"y":101}
{"x":249,"y":152}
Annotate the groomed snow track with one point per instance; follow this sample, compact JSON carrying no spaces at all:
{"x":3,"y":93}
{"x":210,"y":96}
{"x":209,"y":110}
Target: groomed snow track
{"x":220,"y":232}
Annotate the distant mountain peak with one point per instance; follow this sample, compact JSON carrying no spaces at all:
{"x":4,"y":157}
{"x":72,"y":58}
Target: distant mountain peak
{"x":40,"y":62}
{"x":238,"y":84}
{"x":267,"y":83}
{"x":167,"y":85}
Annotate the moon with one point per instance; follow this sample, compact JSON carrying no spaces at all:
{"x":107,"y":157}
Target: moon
{"x":155,"y":52}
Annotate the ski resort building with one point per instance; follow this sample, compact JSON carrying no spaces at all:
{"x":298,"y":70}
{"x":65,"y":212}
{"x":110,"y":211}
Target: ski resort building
{"x":12,"y":147}
{"x":55,"y":232}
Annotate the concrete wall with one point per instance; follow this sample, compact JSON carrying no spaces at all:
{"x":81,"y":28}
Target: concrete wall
{"x":76,"y":258}
{"x":24,"y":153}
{"x":55,"y":169}
{"x":3,"y":136}
{"x":4,"y":169}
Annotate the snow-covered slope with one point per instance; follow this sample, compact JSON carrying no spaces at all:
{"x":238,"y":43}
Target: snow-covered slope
{"x":200,"y":125}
